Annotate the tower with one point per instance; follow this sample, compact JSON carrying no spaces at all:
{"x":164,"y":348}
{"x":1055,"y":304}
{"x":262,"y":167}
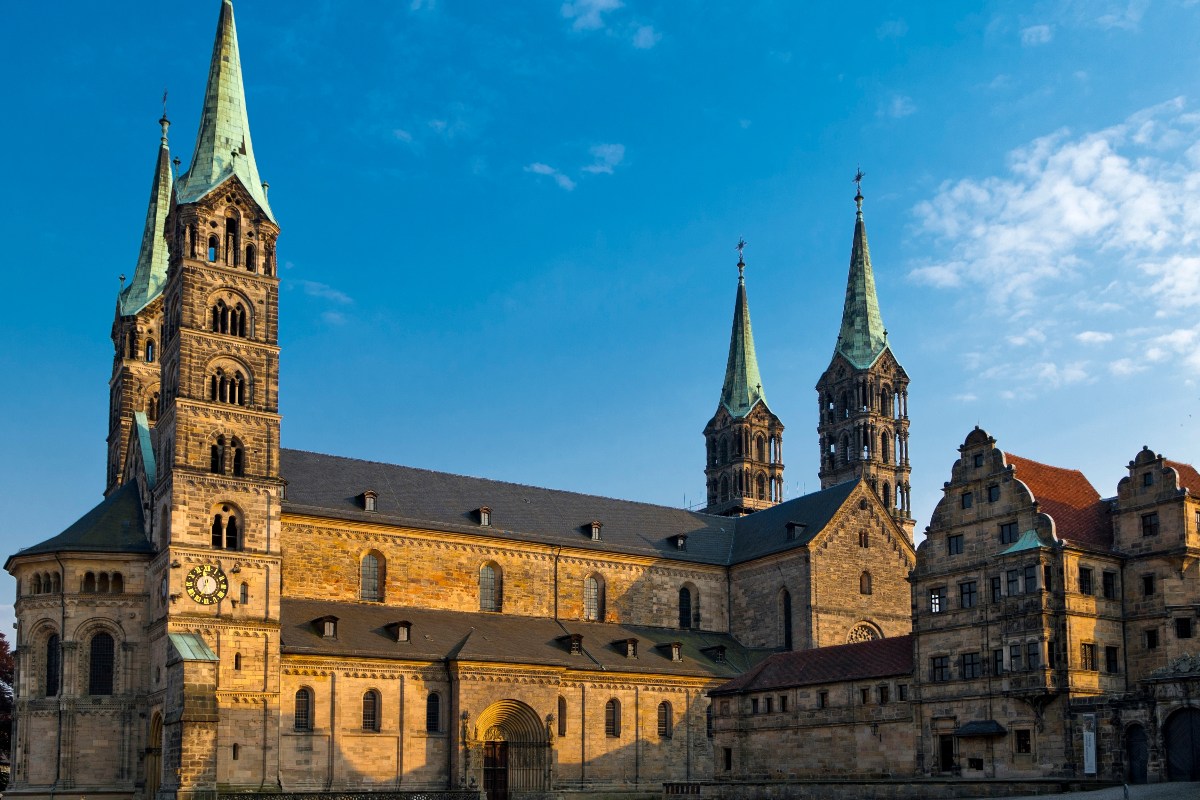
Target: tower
{"x":217,"y":498}
{"x":744,"y":439}
{"x":134,"y":386}
{"x":863,"y":394}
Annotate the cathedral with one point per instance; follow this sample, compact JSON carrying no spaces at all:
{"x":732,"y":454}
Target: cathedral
{"x":236,"y":617}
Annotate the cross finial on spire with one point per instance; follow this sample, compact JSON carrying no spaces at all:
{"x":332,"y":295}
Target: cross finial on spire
{"x":741,"y":245}
{"x":858,"y":177}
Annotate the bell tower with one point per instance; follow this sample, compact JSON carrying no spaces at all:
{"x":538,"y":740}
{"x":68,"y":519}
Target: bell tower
{"x":217,"y":498}
{"x":863,"y":395}
{"x":744,"y":439}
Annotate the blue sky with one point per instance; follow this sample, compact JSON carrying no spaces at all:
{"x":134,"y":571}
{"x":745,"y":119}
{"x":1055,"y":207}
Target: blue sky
{"x":509,"y":228}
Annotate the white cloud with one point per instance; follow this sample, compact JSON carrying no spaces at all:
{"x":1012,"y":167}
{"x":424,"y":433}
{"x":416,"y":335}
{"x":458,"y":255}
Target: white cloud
{"x":645,"y":37}
{"x":1127,"y":18}
{"x":899,"y":106}
{"x":1037,"y":34}
{"x":588,"y":15}
{"x":401,"y":135}
{"x":1029,"y":336}
{"x":891,"y":29}
{"x":966,"y":397}
{"x":334,"y":317}
{"x":325,"y":292}
{"x":1123,"y":367}
{"x":1093,"y":337}
{"x":562,"y":180}
{"x":607,"y":156}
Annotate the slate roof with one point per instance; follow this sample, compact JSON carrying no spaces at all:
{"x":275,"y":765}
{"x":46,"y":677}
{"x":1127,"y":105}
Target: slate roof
{"x":437,"y":635}
{"x":879,"y":658}
{"x":329,"y":486}
{"x":114,"y":526}
{"x":1189,"y":478}
{"x":151,"y":271}
{"x":742,"y":389}
{"x":1080,"y":515}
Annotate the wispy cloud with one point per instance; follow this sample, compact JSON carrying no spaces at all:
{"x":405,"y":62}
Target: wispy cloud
{"x":645,"y":37}
{"x":1089,"y":232}
{"x":1035,"y":35}
{"x":538,"y":168}
{"x":588,"y":15}
{"x":607,"y":157}
{"x":325,"y":292}
{"x":891,"y":29}
{"x":897,"y":107}
{"x":1126,"y":18}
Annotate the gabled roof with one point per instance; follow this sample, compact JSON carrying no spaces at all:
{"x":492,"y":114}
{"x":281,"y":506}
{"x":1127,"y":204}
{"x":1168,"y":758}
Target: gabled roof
{"x":141,"y":427}
{"x":223,"y":149}
{"x":329,"y":486}
{"x":1079,"y":513}
{"x":151,"y":271}
{"x":742,"y":389}
{"x":862,"y":337}
{"x":1189,"y":478}
{"x":114,"y":526}
{"x":879,"y":658}
{"x":437,"y":635}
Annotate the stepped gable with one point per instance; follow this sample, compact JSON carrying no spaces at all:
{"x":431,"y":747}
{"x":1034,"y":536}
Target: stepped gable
{"x":1080,"y":515}
{"x":844,"y":662}
{"x":1189,"y":478}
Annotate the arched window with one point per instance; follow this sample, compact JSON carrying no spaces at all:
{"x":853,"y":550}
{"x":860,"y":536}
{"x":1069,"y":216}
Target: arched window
{"x":724,"y":488}
{"x":491,"y":588}
{"x":216,"y":456}
{"x":887,"y":494}
{"x":226,"y":530}
{"x":687,"y":614}
{"x":214,"y":245}
{"x":118,"y":584}
{"x":149,"y":351}
{"x":864,"y":583}
{"x":131,"y":344}
{"x":883,"y":446}
{"x":100,"y":665}
{"x":251,"y":258}
{"x":370,"y":588}
{"x":231,"y":241}
{"x":36,"y":584}
{"x":760,"y":448}
{"x":370,"y":715}
{"x":237,"y":661}
{"x":89,"y":582}
{"x":152,"y":407}
{"x":760,"y":486}
{"x":724,"y":450}
{"x":845,"y":448}
{"x":785,"y":617}
{"x":239,"y":459}
{"x":433,"y":713}
{"x":53,"y":665}
{"x":302,"y":719}
{"x":244,"y":594}
{"x":864,"y":539}
{"x":593,"y":598}
{"x":863,"y":633}
{"x":227,"y":387}
{"x":56,"y":583}
{"x":562,"y":715}
{"x":666,"y":722}
{"x":612,"y":718}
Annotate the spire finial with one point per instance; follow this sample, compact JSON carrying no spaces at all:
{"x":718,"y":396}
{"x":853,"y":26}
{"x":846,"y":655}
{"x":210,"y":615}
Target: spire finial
{"x":164,"y":122}
{"x":858,"y":197}
{"x":741,"y":245}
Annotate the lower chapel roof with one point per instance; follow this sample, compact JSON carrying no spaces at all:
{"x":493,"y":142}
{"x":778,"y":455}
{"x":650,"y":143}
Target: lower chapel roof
{"x":368,"y":631}
{"x":879,"y":658}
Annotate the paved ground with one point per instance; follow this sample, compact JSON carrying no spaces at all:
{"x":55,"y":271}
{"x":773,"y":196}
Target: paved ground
{"x":1150,"y":791}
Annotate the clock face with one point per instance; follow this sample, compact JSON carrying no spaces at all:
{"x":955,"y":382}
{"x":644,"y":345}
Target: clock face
{"x":206,"y":584}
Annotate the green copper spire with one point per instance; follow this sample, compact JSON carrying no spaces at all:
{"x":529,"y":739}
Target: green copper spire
{"x":223,"y":146}
{"x":743,"y":386}
{"x":151,"y":271}
{"x":862,"y":337}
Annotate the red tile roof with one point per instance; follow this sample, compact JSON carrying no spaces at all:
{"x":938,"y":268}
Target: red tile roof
{"x":1189,"y":478}
{"x":1079,"y":514}
{"x":845,"y":662}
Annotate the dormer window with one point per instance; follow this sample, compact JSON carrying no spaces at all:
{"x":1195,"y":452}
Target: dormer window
{"x":369,"y":501}
{"x":401,"y":630}
{"x":795,"y":530}
{"x":681,"y":541}
{"x":677,"y":651}
{"x":595,"y":527}
{"x":484,"y":515}
{"x":716,"y":653}
{"x":326,"y":627}
{"x":628,"y":647}
{"x":576,"y":644}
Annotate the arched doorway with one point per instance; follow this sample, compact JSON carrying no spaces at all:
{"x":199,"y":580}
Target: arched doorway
{"x":1137,"y":753}
{"x":154,"y":756}
{"x":1181,"y":736}
{"x":516,"y":750}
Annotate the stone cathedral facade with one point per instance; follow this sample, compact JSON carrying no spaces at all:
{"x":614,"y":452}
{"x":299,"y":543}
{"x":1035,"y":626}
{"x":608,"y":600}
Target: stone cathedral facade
{"x":235,"y":616}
